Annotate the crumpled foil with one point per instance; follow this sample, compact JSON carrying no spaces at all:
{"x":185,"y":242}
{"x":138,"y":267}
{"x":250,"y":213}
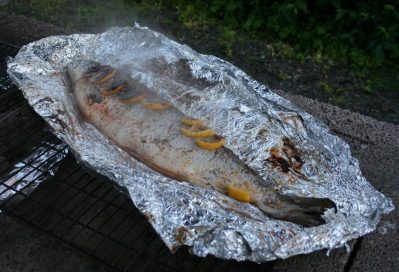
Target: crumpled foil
{"x":35,"y":168}
{"x":250,"y":117}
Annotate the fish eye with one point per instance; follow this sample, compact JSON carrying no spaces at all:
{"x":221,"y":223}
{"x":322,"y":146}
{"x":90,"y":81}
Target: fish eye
{"x":93,"y":68}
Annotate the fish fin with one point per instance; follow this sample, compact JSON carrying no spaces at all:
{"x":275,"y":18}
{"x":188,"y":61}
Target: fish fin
{"x":300,"y":210}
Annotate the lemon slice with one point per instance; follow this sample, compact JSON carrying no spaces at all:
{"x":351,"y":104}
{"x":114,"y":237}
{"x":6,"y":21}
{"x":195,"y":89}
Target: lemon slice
{"x":132,"y":100}
{"x":209,"y":145}
{"x":107,"y":77}
{"x":157,"y":106}
{"x":238,"y":194}
{"x":197,"y":134}
{"x":113,"y":91}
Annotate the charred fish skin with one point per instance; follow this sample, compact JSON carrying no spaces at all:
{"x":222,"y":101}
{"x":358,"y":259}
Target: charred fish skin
{"x":150,"y":129}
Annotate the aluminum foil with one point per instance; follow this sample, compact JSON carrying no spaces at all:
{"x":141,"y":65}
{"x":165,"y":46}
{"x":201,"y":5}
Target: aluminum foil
{"x":250,"y":117}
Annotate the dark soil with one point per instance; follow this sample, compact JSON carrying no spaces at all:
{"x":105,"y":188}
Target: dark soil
{"x":333,"y":84}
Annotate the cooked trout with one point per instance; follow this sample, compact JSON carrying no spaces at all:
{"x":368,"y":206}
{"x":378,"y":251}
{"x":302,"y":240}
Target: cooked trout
{"x":159,"y":135}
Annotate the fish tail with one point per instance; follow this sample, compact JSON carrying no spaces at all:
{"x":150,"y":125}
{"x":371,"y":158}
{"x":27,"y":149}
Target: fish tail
{"x":300,"y":210}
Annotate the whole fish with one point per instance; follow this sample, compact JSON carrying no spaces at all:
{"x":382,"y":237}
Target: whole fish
{"x":159,"y":135}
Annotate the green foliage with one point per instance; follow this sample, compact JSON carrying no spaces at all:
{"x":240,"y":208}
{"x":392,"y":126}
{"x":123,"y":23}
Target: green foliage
{"x":335,"y":93}
{"x":364,"y":34}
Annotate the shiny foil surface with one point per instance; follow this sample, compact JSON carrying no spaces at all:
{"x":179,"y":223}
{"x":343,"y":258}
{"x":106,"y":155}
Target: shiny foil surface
{"x":248,"y":115}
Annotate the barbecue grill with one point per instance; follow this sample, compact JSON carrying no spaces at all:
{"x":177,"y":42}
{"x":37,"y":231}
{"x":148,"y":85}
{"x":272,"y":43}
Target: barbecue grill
{"x":79,"y":208}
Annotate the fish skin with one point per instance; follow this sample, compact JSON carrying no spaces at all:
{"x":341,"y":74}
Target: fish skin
{"x":154,"y":138}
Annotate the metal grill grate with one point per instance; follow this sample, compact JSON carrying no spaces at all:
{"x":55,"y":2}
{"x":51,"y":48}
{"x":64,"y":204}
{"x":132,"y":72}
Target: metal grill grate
{"x":86,"y":212}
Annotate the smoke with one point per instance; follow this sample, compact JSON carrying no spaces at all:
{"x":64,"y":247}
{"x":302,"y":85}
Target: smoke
{"x":89,"y":16}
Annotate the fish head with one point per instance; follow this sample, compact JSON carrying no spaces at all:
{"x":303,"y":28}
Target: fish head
{"x":84,"y":76}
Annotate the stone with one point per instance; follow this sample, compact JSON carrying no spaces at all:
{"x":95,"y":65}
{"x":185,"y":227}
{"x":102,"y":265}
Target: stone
{"x":379,"y":251}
